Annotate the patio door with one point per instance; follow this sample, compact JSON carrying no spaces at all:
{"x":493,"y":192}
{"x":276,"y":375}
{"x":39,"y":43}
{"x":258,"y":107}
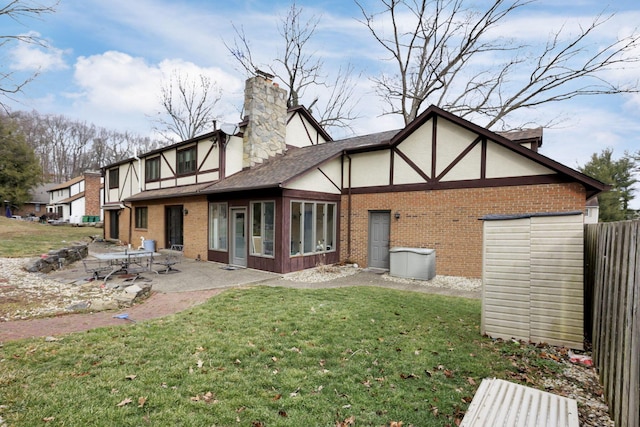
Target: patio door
{"x":238,"y":255}
{"x":379,"y":224}
{"x":174,"y":226}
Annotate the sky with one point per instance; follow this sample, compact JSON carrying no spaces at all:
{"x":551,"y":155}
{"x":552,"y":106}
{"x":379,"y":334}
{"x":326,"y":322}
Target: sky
{"x":107,"y":61}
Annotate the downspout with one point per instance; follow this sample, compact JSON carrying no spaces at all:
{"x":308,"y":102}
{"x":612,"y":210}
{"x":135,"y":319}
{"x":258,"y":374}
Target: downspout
{"x":349,"y":210}
{"x":135,"y":156}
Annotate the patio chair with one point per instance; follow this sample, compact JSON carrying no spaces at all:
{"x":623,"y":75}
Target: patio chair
{"x":169,"y":258}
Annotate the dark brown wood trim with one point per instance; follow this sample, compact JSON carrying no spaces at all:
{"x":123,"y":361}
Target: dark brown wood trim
{"x":459,"y":158}
{"x":311,"y":195}
{"x":391,"y":165}
{"x":412,"y":164}
{"x":452,"y":185}
{"x":483,"y":159}
{"x":206,"y":156}
{"x":434,"y":144}
{"x":330,"y":180}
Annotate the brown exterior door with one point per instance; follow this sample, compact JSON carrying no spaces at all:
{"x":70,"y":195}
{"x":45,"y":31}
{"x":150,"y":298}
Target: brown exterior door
{"x":114,"y":229}
{"x":379,"y":224}
{"x":174,"y":226}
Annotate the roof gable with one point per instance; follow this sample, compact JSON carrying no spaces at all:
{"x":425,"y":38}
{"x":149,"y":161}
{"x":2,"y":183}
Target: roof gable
{"x":592,"y":186}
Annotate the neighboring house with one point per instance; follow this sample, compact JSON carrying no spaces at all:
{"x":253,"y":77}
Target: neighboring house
{"x":592,"y":211}
{"x":37,"y":204}
{"x":77,"y":198}
{"x":280,"y":195}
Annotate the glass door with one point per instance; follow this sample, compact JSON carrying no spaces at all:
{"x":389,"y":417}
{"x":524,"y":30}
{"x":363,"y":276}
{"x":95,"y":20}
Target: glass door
{"x":238,"y":254}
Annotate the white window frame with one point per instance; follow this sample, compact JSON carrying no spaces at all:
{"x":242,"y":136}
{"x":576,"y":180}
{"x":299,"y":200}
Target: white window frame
{"x":319,"y":243}
{"x":214,"y":238}
{"x":259,"y":240}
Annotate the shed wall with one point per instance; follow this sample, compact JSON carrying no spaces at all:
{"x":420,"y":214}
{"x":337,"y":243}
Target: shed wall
{"x":533,"y":279}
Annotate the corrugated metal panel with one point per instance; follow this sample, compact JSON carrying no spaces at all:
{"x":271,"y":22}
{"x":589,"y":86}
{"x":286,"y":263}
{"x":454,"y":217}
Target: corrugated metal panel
{"x":499,"y":403}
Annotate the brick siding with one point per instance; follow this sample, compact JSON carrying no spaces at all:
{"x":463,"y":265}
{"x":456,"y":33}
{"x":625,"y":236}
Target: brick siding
{"x":448,"y":220}
{"x":92,"y":194}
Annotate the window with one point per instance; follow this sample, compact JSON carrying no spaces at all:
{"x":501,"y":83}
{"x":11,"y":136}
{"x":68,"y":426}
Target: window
{"x":263,"y":228}
{"x":218,"y":226}
{"x":152,"y":169}
{"x":114,"y":178}
{"x":187,"y":161}
{"x":141,"y":217}
{"x":313,"y":227}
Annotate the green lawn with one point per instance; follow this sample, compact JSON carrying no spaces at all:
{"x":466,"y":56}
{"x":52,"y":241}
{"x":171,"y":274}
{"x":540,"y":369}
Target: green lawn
{"x":26,"y":239}
{"x":262,"y":357}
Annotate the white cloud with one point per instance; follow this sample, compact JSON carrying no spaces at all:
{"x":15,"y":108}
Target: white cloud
{"x":33,"y":57}
{"x":121,"y":91}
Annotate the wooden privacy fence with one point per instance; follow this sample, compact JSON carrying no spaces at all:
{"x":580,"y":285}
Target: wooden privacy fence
{"x":612,"y":290}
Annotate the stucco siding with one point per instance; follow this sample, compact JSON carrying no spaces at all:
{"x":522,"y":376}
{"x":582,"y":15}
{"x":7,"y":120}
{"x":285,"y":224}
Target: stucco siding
{"x":468,"y":167}
{"x":502,"y":162}
{"x":452,"y":141}
{"x":403,"y":173}
{"x":370,"y":169}
{"x":325,"y":180}
{"x":418,"y":147}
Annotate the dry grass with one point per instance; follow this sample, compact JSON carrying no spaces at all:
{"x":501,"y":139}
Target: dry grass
{"x":25,"y":239}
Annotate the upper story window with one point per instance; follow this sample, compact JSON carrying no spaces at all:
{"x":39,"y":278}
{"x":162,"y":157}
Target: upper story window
{"x":152,"y":169}
{"x":187,"y":161}
{"x":114,"y":178}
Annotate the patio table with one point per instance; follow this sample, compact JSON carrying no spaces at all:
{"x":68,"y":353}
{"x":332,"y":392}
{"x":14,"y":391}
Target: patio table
{"x":136,"y":261}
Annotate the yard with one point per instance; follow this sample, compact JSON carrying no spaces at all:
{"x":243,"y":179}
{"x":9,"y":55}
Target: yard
{"x":264,"y":357}
{"x":27,"y":239}
{"x":358,"y":356}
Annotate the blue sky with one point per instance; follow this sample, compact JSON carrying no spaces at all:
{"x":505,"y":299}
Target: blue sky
{"x":108,"y":59}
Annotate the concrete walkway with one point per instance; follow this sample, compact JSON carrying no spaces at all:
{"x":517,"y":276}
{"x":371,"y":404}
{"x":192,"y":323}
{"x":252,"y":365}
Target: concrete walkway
{"x":193,"y":284}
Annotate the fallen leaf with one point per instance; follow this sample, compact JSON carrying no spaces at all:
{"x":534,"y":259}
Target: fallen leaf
{"x":282,"y":413}
{"x":277,"y":397}
{"x":200,"y":363}
{"x":408,"y":376}
{"x":124,"y":402}
{"x":141,"y":401}
{"x":257,"y":424}
{"x":448,"y":373}
{"x":131,"y":377}
{"x":471,"y":381}
{"x":395,"y":424}
{"x":48,"y":419}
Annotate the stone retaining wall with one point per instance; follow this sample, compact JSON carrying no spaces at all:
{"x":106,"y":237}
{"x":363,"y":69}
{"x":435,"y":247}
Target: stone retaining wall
{"x":57,"y":259}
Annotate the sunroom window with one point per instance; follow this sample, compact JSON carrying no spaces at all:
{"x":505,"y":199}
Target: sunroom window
{"x":263,"y":228}
{"x":218,"y":226}
{"x":313,"y":227}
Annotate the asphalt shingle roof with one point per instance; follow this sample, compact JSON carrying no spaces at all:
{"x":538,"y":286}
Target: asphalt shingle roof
{"x":273,"y":172}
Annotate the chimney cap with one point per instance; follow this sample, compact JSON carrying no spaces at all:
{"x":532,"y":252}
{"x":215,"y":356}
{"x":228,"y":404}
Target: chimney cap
{"x":264,"y":74}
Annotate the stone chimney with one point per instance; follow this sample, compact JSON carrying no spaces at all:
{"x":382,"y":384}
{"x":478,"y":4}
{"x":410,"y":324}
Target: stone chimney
{"x":265,"y":106}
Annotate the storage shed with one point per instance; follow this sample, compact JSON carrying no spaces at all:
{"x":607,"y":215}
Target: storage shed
{"x":532,"y":280}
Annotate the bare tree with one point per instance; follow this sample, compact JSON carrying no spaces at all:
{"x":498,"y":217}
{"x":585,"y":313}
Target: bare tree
{"x":435,"y":60}
{"x":66,"y":148}
{"x":187,"y":106}
{"x":18,"y":10}
{"x":300,"y":69}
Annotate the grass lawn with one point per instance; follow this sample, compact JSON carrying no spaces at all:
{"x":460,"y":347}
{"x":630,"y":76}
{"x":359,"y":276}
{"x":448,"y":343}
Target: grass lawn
{"x":262,"y":357}
{"x":27,"y":239}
